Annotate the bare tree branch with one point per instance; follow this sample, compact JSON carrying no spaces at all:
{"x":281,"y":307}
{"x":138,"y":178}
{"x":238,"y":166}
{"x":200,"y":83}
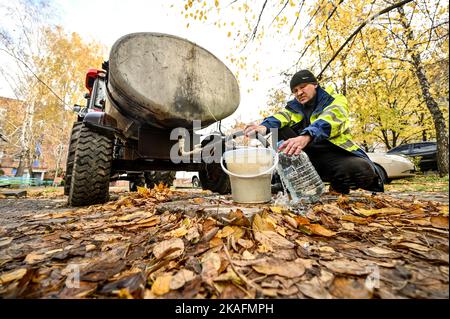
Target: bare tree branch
{"x":255,"y":30}
{"x":284,"y":6}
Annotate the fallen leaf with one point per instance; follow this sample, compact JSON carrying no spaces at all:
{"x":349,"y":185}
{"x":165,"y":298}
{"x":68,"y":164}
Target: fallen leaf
{"x":248,"y":255}
{"x":230,"y":291}
{"x":272,"y":239}
{"x":238,"y":233}
{"x":314,"y":288}
{"x":215,"y":242}
{"x":5,"y":241}
{"x":12,"y":275}
{"x":132,"y":216}
{"x":179,"y":232}
{"x":381,"y":211}
{"x":106,"y":237}
{"x":161,"y":285}
{"x":245,"y":243}
{"x":413,"y":246}
{"x":210,"y":265}
{"x":33,"y":258}
{"x":436,"y":221}
{"x":181,"y":278}
{"x":301,"y":220}
{"x":198,"y":200}
{"x":290,"y":269}
{"x":327,"y":249}
{"x":443,"y":209}
{"x":350,"y":288}
{"x":276,"y":209}
{"x":329,"y":209}
{"x":225,"y":232}
{"x":230,"y":275}
{"x":291,"y":221}
{"x":354,"y":219}
{"x":318,"y":229}
{"x":174,"y":243}
{"x":376,"y":251}
{"x":348,"y":226}
{"x":193,"y":235}
{"x":237,"y":218}
{"x":262,"y":223}
{"x":344,"y":266}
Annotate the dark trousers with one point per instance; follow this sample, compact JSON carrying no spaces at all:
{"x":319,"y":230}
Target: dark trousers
{"x":342,"y":169}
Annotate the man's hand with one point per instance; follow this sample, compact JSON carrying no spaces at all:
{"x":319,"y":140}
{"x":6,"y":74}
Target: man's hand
{"x":251,"y":129}
{"x":294,"y":146}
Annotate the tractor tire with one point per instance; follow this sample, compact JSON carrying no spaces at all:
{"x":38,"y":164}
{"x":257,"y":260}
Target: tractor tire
{"x":213,"y":178}
{"x":91,"y":169}
{"x":137,"y":181}
{"x":71,"y":156}
{"x":153,"y":178}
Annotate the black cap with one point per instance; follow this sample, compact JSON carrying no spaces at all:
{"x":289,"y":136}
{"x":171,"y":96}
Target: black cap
{"x":302,"y":76}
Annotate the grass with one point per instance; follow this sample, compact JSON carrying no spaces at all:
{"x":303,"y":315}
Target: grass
{"x":420,"y":183}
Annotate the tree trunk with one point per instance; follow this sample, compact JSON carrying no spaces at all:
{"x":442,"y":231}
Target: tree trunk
{"x":59,"y":156}
{"x":438,"y":118}
{"x":20,"y":168}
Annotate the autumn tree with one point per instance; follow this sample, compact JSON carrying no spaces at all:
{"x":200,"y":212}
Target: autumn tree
{"x":376,"y":52}
{"x":48,"y":74}
{"x":64,"y":64}
{"x":19,"y":38}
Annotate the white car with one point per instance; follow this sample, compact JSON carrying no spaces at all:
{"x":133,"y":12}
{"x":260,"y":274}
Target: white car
{"x":184,"y":178}
{"x":393,"y":166}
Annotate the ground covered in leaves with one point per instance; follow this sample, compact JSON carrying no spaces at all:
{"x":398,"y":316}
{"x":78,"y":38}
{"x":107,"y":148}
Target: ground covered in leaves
{"x":162,"y":243}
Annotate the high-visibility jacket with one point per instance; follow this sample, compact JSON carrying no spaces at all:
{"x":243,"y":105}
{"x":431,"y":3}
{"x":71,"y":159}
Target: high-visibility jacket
{"x":328,"y":121}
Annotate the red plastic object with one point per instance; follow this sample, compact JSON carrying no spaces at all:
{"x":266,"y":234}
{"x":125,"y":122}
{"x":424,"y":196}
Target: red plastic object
{"x":91,"y":75}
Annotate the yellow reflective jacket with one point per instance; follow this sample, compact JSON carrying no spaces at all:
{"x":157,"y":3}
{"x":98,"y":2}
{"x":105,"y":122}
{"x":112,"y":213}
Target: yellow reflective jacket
{"x":329,"y":120}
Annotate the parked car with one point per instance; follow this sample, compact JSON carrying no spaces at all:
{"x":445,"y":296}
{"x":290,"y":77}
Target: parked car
{"x":427,"y":151}
{"x":393,"y":166}
{"x":184,"y":177}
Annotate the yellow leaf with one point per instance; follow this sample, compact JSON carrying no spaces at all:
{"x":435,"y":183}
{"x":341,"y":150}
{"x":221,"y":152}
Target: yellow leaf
{"x":443,"y":210}
{"x":439,"y":221}
{"x":225,"y":232}
{"x":215,"y":242}
{"x":12,"y":275}
{"x":354,"y":219}
{"x":320,"y":230}
{"x":262,"y":223}
{"x":381,"y":211}
{"x":161,"y":285}
{"x":276,"y":209}
{"x":179,"y":232}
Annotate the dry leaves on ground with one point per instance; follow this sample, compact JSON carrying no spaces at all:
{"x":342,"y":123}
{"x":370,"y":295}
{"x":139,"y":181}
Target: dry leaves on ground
{"x":161,"y":243}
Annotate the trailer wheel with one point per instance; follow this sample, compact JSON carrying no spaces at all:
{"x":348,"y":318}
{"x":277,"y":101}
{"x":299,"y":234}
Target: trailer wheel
{"x":153,"y":178}
{"x":71,"y":156}
{"x":213,"y":178}
{"x":91,"y":169}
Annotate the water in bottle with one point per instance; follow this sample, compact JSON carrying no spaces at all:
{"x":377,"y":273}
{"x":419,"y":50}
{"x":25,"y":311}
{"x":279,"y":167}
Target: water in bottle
{"x":300,"y":178}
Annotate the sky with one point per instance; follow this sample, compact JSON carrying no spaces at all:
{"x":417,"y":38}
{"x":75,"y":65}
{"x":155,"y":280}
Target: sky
{"x":106,"y":21}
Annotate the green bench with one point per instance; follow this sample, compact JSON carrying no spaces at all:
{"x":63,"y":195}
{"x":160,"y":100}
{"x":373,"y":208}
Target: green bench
{"x":17,"y":182}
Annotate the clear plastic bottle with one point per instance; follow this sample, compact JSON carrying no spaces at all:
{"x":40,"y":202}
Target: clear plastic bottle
{"x":300,"y":178}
